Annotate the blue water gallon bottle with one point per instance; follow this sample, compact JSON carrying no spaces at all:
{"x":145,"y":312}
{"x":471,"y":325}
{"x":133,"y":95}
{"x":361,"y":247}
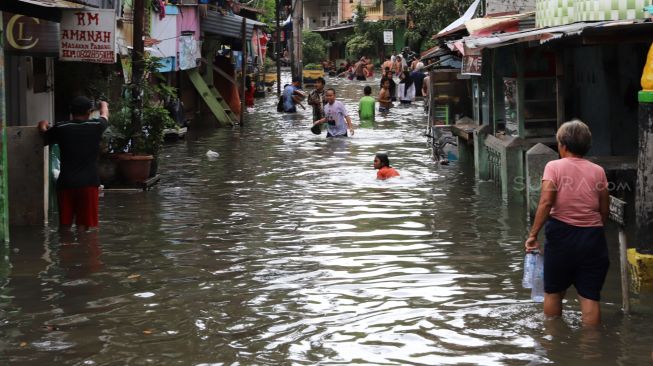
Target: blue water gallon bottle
{"x":537,"y":292}
{"x":529,"y":269}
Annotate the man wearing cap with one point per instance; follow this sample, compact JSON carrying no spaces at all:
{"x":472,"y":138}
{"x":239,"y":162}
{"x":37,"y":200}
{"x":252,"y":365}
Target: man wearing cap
{"x":79,"y":142}
{"x":292,"y":95}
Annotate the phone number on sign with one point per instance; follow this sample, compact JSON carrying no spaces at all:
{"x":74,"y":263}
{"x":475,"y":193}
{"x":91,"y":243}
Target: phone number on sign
{"x":108,"y":56}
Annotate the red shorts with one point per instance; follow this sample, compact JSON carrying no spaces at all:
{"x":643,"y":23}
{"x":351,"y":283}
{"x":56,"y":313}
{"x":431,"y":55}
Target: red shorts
{"x":80,"y":203}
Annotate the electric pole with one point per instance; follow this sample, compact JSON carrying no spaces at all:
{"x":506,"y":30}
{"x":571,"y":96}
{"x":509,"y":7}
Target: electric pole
{"x":137,"y":67}
{"x":277,"y":48}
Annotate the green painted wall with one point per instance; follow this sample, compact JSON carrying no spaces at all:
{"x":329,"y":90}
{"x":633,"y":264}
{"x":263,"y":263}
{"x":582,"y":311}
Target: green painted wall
{"x":399,"y":38}
{"x":4,"y":201}
{"x":558,"y":12}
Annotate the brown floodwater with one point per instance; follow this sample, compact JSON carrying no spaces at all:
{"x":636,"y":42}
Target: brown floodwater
{"x":285,"y":250}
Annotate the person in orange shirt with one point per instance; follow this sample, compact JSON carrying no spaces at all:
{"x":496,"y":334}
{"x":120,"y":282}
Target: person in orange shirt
{"x":382,"y":163}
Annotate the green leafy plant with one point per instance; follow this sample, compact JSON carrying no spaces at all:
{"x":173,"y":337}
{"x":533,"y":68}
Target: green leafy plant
{"x":315,"y":47}
{"x":427,"y":18}
{"x":123,"y":135}
{"x":367,"y":39}
{"x":360,"y":45}
{"x":269,"y":65}
{"x":312,"y":67}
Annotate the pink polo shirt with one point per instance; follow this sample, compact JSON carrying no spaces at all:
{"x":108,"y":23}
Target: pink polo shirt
{"x":578,"y":183}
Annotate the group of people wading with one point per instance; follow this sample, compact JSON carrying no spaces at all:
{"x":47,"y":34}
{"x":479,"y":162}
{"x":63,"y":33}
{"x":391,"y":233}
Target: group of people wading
{"x":574,"y":200}
{"x":332,"y":115}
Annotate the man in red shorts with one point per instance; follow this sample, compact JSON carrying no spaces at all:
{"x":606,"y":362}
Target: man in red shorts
{"x":79,"y":143}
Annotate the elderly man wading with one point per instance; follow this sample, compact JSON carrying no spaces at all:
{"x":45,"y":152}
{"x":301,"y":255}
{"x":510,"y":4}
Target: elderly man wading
{"x":574,"y":206}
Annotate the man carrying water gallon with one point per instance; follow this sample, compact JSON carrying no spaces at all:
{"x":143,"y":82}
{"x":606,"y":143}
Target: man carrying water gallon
{"x":573,"y":207}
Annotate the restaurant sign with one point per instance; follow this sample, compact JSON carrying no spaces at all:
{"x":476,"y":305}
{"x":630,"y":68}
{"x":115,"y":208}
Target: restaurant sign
{"x":88,"y":36}
{"x":29,"y":36}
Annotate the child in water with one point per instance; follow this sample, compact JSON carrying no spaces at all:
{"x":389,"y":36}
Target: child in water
{"x":382,"y":163}
{"x":366,"y":108}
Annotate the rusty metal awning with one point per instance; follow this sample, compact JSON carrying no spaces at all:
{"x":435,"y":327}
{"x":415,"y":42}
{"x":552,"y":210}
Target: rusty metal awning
{"x":616,"y":31}
{"x":541,"y":35}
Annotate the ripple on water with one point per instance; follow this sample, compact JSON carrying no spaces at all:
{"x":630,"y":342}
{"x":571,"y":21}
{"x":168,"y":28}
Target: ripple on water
{"x":287,"y":250}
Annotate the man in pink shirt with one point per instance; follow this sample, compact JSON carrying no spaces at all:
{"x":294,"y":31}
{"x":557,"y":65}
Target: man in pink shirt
{"x":574,"y":205}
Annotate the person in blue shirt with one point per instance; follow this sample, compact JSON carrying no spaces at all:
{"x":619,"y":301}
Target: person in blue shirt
{"x":292,"y":96}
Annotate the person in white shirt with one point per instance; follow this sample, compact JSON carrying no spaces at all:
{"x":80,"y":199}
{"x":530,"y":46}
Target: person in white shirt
{"x":405,"y":88}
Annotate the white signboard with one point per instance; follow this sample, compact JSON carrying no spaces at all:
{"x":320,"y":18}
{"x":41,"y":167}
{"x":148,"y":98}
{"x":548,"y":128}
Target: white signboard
{"x":88,"y":35}
{"x":388,"y":37}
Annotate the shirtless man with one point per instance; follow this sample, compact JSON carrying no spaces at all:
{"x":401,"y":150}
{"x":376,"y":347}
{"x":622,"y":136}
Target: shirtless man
{"x":385,"y":100}
{"x":369,"y":68}
{"x":398,"y":66}
{"x":387,"y":64}
{"x":360,"y":69}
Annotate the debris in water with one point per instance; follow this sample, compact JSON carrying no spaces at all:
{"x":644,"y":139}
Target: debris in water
{"x":212,"y":155}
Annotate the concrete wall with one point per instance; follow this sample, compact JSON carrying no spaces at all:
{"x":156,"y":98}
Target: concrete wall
{"x":28,"y":176}
{"x":313,"y":13}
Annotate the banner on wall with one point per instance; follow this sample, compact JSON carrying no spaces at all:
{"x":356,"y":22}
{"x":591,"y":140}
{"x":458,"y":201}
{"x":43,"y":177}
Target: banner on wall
{"x":88,"y":36}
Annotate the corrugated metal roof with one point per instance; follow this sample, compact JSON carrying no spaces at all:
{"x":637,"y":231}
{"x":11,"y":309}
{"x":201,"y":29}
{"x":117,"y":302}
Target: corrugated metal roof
{"x":487,"y":24}
{"x":63,"y":4}
{"x":541,"y":34}
{"x":227,"y":25}
{"x":252,"y":9}
{"x":332,"y":28}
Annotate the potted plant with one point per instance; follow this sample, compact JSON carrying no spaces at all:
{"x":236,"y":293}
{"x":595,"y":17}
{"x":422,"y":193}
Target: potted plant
{"x":311,"y":72}
{"x":270,"y":72}
{"x":135,"y":147}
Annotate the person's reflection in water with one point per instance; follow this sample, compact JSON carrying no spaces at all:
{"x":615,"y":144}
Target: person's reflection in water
{"x":79,"y":253}
{"x":590,"y":345}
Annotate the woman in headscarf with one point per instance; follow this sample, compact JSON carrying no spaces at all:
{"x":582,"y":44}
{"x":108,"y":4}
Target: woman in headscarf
{"x":406,"y":88}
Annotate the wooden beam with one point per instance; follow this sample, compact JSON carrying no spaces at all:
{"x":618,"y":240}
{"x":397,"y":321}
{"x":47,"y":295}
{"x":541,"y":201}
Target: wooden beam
{"x":225,"y":75}
{"x":519,"y":64}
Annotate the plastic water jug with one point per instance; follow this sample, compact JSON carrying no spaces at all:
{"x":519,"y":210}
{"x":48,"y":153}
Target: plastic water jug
{"x":529,"y":269}
{"x":537,"y":292}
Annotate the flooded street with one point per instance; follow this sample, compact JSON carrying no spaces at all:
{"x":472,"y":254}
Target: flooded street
{"x":285,"y":250}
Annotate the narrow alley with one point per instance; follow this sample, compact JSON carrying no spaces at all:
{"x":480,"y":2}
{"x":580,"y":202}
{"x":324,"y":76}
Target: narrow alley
{"x":284,"y":249}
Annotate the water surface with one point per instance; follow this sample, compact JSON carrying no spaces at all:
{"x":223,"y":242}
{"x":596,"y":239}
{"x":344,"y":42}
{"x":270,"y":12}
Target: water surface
{"x":285,"y":250}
